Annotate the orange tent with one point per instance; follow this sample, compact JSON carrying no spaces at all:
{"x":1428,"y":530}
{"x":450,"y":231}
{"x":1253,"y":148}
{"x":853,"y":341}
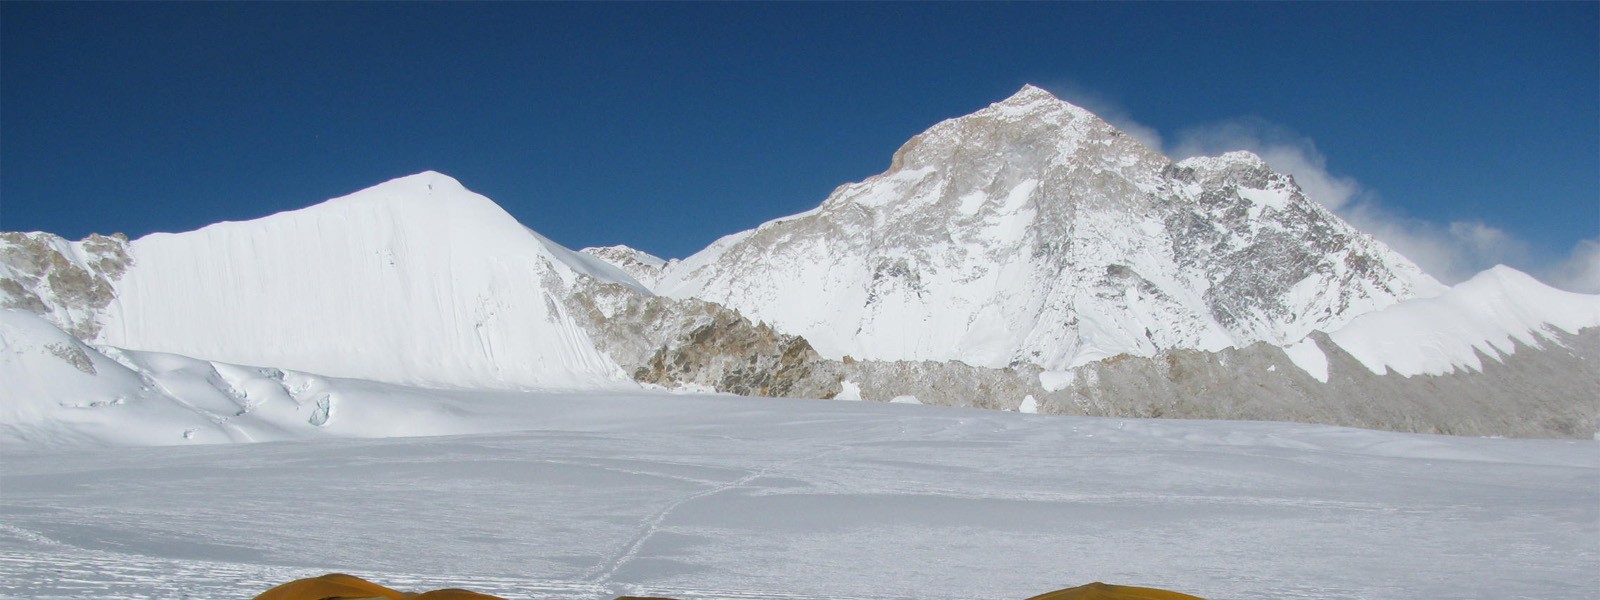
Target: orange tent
{"x":332,"y":585}
{"x":338,"y":586}
{"x":1102,"y":591}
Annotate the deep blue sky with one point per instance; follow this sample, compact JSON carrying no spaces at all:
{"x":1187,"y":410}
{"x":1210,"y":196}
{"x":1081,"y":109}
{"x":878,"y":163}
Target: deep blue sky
{"x":664,"y":126}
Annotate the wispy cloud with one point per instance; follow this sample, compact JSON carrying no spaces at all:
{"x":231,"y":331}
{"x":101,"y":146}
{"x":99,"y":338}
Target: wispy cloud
{"x":1450,"y":251}
{"x":1580,"y":272}
{"x":1109,"y":109}
{"x":1282,"y":148}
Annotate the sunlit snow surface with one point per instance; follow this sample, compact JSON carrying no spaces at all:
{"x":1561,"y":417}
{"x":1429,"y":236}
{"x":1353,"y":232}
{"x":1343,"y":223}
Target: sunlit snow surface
{"x":722,"y":497}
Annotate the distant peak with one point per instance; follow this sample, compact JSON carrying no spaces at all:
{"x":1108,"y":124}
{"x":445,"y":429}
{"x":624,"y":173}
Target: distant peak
{"x":1032,"y":98}
{"x":1227,"y":161}
{"x":424,"y":191}
{"x":1032,"y":102}
{"x":430,"y":179}
{"x":1505,"y":275}
{"x":1243,"y":156}
{"x":1028,"y":94}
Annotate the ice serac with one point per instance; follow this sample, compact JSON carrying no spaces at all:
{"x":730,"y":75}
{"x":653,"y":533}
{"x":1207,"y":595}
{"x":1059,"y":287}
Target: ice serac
{"x":1033,"y":232}
{"x":417,"y":281}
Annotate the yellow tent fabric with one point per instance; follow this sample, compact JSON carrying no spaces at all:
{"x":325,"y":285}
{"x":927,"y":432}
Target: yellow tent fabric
{"x":1103,"y":591}
{"x":453,"y":594}
{"x":347,"y":587}
{"x":332,"y":585}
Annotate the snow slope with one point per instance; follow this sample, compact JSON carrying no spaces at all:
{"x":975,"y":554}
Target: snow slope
{"x":417,"y":280}
{"x":1033,"y":232}
{"x":706,"y":497}
{"x":60,"y":392}
{"x":1485,"y":315}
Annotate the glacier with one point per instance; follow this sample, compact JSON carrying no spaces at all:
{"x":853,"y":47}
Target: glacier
{"x":720,"y":497}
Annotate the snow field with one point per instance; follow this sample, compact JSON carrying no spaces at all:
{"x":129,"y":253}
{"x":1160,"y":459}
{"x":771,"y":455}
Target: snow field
{"x":723,"y":497}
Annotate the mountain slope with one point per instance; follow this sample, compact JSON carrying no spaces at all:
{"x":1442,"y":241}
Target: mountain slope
{"x":1032,"y":232}
{"x":417,"y":281}
{"x":61,"y":392}
{"x":1487,"y":316}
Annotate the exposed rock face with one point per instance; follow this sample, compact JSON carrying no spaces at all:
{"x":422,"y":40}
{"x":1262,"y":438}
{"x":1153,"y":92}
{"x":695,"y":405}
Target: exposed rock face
{"x":730,"y":355}
{"x":66,"y":282}
{"x":673,"y":343}
{"x":642,"y":266}
{"x":1034,"y":233}
{"x":1528,"y":393}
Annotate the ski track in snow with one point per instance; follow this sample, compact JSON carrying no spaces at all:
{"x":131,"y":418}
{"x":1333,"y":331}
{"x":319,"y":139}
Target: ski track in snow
{"x":650,"y":526}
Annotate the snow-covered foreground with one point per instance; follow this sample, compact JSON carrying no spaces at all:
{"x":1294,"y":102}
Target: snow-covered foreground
{"x":723,"y":497}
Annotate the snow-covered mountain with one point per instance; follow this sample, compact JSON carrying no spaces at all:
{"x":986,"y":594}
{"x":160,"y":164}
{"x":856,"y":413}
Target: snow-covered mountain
{"x":1026,"y":257}
{"x":1485,"y":317}
{"x":417,"y":281}
{"x":1033,"y":232}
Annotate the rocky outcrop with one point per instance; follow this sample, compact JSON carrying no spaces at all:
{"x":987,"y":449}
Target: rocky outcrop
{"x":640,"y":265}
{"x":66,"y":282}
{"x":1527,"y":392}
{"x":731,"y":355}
{"x":678,"y":343}
{"x":1532,"y":392}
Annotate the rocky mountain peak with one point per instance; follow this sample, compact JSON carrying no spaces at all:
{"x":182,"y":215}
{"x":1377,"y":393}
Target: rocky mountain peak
{"x":1032,"y":231}
{"x":1032,"y":101}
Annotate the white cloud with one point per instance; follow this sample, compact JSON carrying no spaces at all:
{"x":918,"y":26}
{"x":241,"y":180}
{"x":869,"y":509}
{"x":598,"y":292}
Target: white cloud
{"x":1283,"y":149}
{"x":1451,"y":252}
{"x":1580,"y":272}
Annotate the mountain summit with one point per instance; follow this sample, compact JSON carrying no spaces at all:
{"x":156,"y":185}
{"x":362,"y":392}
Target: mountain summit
{"x":1034,"y":232}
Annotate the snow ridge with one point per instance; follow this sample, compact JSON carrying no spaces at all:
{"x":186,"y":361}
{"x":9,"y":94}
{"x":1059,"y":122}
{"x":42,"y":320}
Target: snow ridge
{"x":1488,"y":315}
